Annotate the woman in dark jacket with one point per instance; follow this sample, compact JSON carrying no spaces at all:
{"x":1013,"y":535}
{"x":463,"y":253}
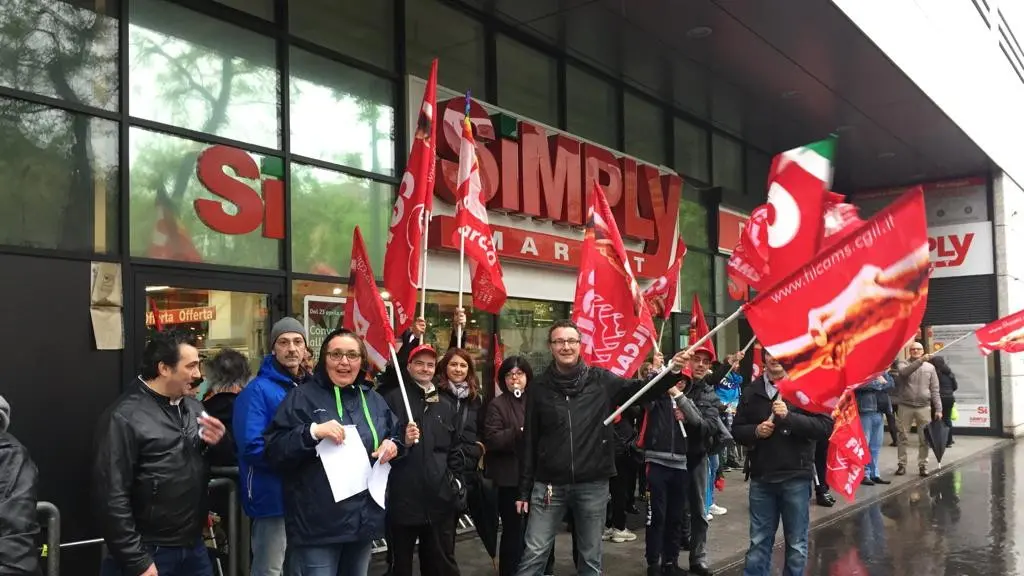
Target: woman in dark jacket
{"x":947,"y":386}
{"x":327,"y":537}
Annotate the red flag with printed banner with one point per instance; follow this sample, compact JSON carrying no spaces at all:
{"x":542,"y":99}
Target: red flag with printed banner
{"x":615,"y":324}
{"x":471,"y":224}
{"x":699,"y":327}
{"x":757,"y":367}
{"x":840,"y":218}
{"x":1005,"y":334}
{"x":839,"y":320}
{"x":847,"y":448}
{"x":365,"y":313}
{"x":415,"y":198}
{"x":661,"y":294}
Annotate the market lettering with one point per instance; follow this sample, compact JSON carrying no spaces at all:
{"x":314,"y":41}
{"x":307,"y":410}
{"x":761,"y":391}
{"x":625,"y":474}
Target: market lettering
{"x":249,"y":211}
{"x":544,"y":176}
{"x":950,"y":250}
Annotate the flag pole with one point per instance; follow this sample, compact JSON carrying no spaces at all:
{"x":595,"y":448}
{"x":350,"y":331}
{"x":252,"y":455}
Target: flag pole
{"x":423,"y":263}
{"x":745,"y":348}
{"x":668,"y":367}
{"x":401,"y":385}
{"x":661,"y":335}
{"x":462,"y":244}
{"x":944,"y":346}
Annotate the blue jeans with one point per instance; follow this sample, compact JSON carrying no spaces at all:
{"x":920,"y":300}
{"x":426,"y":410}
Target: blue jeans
{"x":709,"y":498}
{"x":873,"y":431}
{"x":790,"y":501}
{"x":170,"y":561}
{"x":349,"y":559}
{"x":588,"y":503}
{"x":268,"y":546}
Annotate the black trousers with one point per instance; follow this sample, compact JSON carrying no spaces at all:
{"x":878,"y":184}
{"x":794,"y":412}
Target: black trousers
{"x":618,"y":485}
{"x":437,"y":548}
{"x":821,"y":463}
{"x":890,"y":420}
{"x":513,"y":534}
{"x":629,"y":471}
{"x":947,"y":412}
{"x":665,"y":523}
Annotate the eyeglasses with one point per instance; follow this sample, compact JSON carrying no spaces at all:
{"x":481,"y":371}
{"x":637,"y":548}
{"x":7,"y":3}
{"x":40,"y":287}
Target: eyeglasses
{"x":571,"y":342}
{"x":514,"y":375}
{"x":351,"y":355}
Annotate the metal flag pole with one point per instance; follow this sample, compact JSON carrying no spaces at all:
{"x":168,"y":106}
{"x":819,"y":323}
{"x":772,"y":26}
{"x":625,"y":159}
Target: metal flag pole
{"x":944,"y":346}
{"x":423,"y":264}
{"x":661,"y":335}
{"x":401,"y":385}
{"x":462,"y":280}
{"x":668,"y":367}
{"x":745,"y":348}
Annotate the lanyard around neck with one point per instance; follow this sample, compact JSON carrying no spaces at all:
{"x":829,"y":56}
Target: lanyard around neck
{"x":366,"y":413}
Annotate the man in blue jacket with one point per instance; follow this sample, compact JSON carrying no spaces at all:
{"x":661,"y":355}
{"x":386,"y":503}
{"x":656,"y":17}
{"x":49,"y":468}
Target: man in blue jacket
{"x":255,"y":407}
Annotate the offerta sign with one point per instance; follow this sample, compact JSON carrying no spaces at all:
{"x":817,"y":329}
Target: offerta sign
{"x":961,"y":249}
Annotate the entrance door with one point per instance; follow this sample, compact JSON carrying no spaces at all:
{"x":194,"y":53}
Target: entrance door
{"x":219,"y":310}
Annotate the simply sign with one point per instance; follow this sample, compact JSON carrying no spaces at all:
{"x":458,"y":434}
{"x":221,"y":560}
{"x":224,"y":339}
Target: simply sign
{"x":529,"y":171}
{"x":250,"y":211}
{"x":961,"y":249}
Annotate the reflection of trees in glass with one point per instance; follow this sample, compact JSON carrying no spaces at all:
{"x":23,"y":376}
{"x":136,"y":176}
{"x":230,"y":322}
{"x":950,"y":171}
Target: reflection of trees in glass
{"x":165,"y":165}
{"x":696,"y":279}
{"x":693,"y":223}
{"x":59,"y":168}
{"x":60,"y":50}
{"x":326,"y":207}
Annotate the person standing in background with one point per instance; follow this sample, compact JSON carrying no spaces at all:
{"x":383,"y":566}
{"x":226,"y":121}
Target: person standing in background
{"x":872,"y":403}
{"x":947,"y":388}
{"x":227,"y":373}
{"x":19,"y":529}
{"x":917,"y":394}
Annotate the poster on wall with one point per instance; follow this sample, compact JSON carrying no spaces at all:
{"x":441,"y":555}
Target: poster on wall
{"x":971,"y":370}
{"x":323,"y":314}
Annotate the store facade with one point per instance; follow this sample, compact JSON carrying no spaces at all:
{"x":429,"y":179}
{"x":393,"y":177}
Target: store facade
{"x":216,"y":156}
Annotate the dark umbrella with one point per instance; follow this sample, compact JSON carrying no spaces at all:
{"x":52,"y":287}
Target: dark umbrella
{"x":482,"y":502}
{"x":936,"y":434}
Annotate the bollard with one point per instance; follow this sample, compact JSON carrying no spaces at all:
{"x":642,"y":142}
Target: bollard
{"x":52,"y":546}
{"x":232,"y":521}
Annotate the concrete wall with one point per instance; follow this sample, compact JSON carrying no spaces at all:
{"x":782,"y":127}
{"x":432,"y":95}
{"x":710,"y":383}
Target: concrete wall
{"x":1009,"y":232}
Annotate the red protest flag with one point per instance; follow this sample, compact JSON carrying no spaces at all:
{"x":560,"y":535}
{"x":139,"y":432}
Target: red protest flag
{"x":699,"y":328}
{"x":473,"y":231}
{"x":748,"y":263}
{"x":615,"y":325}
{"x":842,"y":318}
{"x":415,"y":199}
{"x":757,"y":367}
{"x":365,"y":313}
{"x":840,"y":218}
{"x":1006,"y":334}
{"x":661,"y":294}
{"x":847,"y":448}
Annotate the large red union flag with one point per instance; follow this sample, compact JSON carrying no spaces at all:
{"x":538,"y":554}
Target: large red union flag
{"x":847,"y":448}
{"x":364,"y":308}
{"x":661,"y":294}
{"x":1006,"y":334}
{"x":615,"y":325}
{"x":473,"y":231}
{"x":415,"y":195}
{"x":841,"y":319}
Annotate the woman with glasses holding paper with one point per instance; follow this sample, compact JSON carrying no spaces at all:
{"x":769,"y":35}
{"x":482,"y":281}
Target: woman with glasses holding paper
{"x":330,"y":529}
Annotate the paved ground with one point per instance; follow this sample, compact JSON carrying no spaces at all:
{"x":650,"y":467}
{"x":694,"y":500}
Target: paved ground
{"x":727,"y":540}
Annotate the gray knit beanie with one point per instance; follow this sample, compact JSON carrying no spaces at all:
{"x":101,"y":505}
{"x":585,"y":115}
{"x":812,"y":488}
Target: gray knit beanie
{"x":5,"y":414}
{"x":287,"y":325}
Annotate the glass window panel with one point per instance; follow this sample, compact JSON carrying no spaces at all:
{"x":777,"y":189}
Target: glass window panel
{"x":320,"y":306}
{"x":479,"y":329}
{"x":191,"y":71}
{"x":326,"y":208}
{"x":341,"y":115}
{"x":696,"y":279}
{"x":527,"y":81}
{"x":593,"y":108}
{"x":460,"y":49}
{"x":645,"y":130}
{"x":363,"y":30}
{"x":60,"y":184}
{"x":65,"y":50}
{"x":693,"y":219}
{"x":758,"y":164}
{"x":524,"y":329}
{"x":259,"y":8}
{"x":164,"y":188}
{"x":727,"y":171}
{"x":727,"y":340}
{"x":724,"y":304}
{"x":691,"y":150}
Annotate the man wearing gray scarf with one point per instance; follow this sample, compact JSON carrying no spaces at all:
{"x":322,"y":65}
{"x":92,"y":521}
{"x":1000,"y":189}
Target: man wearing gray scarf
{"x":19,"y":529}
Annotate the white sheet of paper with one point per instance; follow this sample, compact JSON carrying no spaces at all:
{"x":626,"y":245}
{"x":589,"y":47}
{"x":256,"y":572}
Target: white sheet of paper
{"x":347,"y":464}
{"x":378,"y":482}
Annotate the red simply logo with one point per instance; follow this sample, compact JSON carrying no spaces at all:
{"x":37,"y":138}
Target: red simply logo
{"x":950,"y":250}
{"x":252,"y":211}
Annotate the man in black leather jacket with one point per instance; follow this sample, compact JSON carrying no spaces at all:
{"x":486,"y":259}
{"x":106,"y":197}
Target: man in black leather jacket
{"x":149,"y":475}
{"x":568,"y":453}
{"x":19,"y":530}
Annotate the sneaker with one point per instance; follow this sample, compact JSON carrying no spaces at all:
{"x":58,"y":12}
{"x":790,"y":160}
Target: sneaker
{"x":709,"y":517}
{"x":717,"y":510}
{"x":620,"y":536}
{"x":922,"y":471}
{"x":901,"y":470}
{"x":607,"y":535}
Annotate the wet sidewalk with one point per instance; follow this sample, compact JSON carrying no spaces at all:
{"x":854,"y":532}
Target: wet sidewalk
{"x":728,"y":535}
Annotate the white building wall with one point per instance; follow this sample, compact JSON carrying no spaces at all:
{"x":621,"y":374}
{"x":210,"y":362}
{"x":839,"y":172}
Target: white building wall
{"x":1009,"y":232}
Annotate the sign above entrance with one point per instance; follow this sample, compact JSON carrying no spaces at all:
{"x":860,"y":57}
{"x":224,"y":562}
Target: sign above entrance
{"x":251,"y":210}
{"x":183,"y":315}
{"x":532,"y":171}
